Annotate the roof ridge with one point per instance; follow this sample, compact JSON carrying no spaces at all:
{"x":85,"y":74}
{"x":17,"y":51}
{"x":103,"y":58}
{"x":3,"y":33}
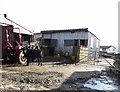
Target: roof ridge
{"x":66,"y":29}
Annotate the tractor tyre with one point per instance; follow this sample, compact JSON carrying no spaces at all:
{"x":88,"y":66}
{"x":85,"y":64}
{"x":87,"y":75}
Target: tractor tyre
{"x":22,"y":58}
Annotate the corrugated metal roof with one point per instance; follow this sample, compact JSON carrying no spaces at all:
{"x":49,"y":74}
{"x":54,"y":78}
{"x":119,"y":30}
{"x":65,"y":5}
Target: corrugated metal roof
{"x":68,"y":30}
{"x":65,"y":30}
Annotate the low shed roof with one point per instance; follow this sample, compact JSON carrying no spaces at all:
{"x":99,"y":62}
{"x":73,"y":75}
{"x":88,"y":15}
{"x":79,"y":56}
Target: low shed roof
{"x":65,"y":30}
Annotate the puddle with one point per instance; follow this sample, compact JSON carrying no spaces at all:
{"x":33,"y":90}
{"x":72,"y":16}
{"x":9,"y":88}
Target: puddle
{"x":101,"y":83}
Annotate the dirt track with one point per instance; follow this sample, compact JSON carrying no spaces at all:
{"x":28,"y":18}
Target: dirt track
{"x":49,"y":76}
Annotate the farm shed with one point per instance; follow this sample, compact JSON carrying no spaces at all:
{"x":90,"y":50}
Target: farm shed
{"x":70,"y":39}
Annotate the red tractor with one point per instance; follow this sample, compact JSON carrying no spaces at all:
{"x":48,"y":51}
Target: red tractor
{"x":12,"y":50}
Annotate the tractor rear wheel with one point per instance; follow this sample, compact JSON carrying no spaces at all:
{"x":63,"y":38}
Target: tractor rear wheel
{"x":22,"y":58}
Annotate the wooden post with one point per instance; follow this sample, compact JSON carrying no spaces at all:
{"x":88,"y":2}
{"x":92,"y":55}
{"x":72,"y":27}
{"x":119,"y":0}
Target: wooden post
{"x":94,"y":58}
{"x":78,"y":52}
{"x":88,"y":56}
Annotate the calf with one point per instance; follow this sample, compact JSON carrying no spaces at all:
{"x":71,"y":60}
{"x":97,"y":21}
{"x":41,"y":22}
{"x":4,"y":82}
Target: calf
{"x":32,"y":54}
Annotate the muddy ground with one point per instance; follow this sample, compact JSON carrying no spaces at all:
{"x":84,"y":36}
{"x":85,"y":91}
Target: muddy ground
{"x":56,"y":74}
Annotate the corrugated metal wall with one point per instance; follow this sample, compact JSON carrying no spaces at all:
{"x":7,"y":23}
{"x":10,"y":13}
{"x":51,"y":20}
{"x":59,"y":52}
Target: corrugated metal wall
{"x":67,"y":36}
{"x":94,"y":46}
{"x":61,"y":36}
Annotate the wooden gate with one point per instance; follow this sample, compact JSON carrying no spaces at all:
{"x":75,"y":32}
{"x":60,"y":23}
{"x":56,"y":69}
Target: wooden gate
{"x":86,"y":55}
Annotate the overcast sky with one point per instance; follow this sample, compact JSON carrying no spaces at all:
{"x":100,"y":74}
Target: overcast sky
{"x":99,"y":16}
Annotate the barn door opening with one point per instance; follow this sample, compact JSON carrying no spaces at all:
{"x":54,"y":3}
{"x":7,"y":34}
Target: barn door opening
{"x":84,"y":42}
{"x":51,"y":44}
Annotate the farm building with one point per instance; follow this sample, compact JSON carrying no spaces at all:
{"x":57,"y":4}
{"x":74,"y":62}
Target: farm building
{"x":71,"y":41}
{"x":108,"y":49}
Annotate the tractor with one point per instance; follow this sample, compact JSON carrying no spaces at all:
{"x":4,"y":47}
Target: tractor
{"x":12,"y":50}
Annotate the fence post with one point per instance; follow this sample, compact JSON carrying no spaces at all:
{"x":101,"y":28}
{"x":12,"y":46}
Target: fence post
{"x":88,"y":57}
{"x":94,"y":57}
